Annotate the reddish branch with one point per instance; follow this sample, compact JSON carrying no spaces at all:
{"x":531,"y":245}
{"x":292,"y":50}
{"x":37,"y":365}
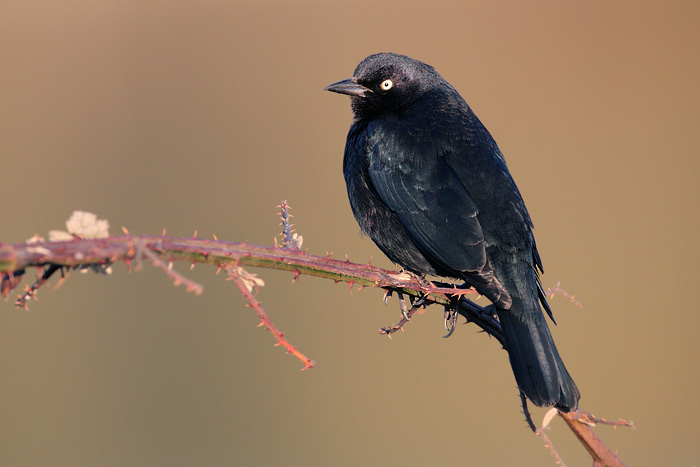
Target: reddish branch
{"x":15,"y":257}
{"x":162,"y":251}
{"x":582,"y":423}
{"x":98,"y":254}
{"x":237,"y":275}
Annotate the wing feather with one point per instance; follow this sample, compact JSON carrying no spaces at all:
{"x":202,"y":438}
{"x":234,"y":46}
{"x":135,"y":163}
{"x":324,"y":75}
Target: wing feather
{"x":434,"y":207}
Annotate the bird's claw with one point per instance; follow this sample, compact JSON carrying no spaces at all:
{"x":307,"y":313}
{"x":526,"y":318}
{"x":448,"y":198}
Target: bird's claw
{"x":404,"y":307}
{"x":421,"y":301}
{"x":387,"y":294}
{"x":450,"y":322}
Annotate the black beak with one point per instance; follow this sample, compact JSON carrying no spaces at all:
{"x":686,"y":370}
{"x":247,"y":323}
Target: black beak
{"x":348,"y":86}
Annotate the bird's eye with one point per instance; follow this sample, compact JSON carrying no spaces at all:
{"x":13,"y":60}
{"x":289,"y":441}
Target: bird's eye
{"x":387,"y":84}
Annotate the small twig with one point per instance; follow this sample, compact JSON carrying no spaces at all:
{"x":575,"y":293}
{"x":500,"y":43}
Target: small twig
{"x":30,"y":292}
{"x":526,"y":412}
{"x":174,"y":275}
{"x":557,"y":290}
{"x":581,"y":424}
{"x":236,"y":273}
{"x":290,"y":240}
{"x":592,"y":420}
{"x":548,"y":444}
{"x":541,"y":432}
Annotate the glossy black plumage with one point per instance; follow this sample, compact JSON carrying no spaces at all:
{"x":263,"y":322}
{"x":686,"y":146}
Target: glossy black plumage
{"x":428,"y":184}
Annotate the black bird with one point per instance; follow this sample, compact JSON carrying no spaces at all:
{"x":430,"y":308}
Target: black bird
{"x":429,"y":185}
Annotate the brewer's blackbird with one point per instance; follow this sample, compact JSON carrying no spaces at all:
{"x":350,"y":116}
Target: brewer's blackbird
{"x":429,"y":185}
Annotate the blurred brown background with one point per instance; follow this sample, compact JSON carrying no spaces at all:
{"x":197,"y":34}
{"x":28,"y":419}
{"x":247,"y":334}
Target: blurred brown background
{"x":204,"y":115}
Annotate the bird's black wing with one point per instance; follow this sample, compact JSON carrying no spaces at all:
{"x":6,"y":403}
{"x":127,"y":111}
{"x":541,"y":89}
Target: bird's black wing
{"x":431,"y":202}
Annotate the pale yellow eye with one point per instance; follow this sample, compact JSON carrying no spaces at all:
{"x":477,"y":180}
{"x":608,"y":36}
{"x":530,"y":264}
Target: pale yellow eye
{"x":387,"y":84}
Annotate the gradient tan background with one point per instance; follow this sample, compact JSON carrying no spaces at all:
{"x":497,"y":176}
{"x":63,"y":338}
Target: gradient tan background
{"x":203,"y":115}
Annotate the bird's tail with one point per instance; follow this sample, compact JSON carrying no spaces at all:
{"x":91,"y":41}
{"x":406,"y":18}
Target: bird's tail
{"x":538,"y":368}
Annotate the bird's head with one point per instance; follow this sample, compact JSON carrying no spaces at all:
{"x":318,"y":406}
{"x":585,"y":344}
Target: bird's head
{"x":386,"y":83}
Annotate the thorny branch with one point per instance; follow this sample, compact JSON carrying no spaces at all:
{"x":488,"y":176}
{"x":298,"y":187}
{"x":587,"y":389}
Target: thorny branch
{"x":582,"y":423}
{"x":88,"y":246}
{"x":247,"y":282}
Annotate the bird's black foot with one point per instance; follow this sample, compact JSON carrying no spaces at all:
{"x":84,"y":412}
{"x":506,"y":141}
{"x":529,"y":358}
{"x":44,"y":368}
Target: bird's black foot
{"x":451,"y":316}
{"x":404,"y":307}
{"x":406,"y":312}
